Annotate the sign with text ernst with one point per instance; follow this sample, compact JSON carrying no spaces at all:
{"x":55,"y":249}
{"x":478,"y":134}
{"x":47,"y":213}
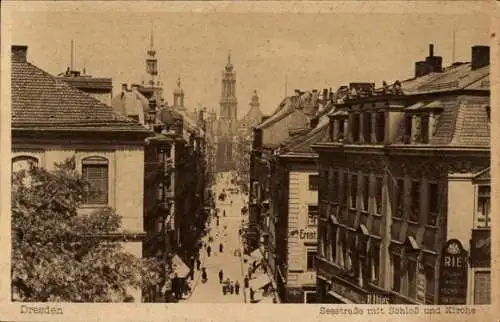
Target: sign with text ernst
{"x":308,"y":234}
{"x":453,"y":274}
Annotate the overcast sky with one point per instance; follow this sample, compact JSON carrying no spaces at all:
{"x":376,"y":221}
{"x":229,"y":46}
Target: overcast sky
{"x":313,"y":50}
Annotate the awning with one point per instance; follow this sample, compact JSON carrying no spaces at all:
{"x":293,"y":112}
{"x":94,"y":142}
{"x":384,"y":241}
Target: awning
{"x":180,"y":267}
{"x":260,"y":282}
{"x":340,"y":297}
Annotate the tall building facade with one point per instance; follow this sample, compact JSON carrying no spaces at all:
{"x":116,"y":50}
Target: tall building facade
{"x":227,"y":124}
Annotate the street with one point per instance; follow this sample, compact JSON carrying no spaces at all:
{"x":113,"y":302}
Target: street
{"x":227,"y":234}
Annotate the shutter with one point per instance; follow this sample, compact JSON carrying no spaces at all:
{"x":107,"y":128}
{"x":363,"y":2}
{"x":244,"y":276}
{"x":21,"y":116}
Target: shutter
{"x":97,"y":177}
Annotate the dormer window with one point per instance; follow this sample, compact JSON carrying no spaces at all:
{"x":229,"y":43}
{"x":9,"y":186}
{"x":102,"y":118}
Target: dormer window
{"x":421,"y":122}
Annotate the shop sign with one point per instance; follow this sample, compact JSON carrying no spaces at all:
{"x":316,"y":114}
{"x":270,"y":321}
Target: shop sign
{"x":453,"y":274}
{"x":480,"y":248}
{"x":308,"y":234}
{"x":376,"y":298}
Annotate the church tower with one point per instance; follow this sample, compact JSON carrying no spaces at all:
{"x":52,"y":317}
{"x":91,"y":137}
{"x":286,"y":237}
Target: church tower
{"x":179,"y":96}
{"x":152,"y":63}
{"x":228,"y":102}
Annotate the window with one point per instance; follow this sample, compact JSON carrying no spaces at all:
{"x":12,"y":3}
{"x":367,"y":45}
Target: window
{"x":354,"y":190}
{"x":407,"y":129}
{"x":424,"y":128}
{"x":378,"y":194}
{"x":367,"y":127}
{"x":334,"y":186}
{"x":433,"y":205}
{"x":483,"y":207}
{"x":355,"y":127}
{"x":311,"y":260}
{"x":366,"y":192}
{"x":229,"y":152}
{"x":415,"y":201}
{"x":312,"y":215}
{"x":341,"y":127}
{"x":412,"y":281}
{"x":396,"y":273}
{"x":313,"y":182}
{"x":380,"y":127}
{"x":333,"y":244}
{"x":374,"y":265}
{"x":482,"y":288}
{"x":429,"y":284}
{"x":323,"y":240}
{"x":400,"y":197}
{"x":24,"y":163}
{"x":95,"y":173}
{"x":345,"y":185}
{"x":340,"y":249}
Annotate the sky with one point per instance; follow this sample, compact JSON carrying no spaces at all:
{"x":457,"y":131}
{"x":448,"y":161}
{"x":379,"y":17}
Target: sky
{"x":310,"y":49}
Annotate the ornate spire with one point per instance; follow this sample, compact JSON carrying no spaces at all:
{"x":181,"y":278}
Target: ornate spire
{"x":179,"y":82}
{"x":152,"y":51}
{"x":229,"y":66}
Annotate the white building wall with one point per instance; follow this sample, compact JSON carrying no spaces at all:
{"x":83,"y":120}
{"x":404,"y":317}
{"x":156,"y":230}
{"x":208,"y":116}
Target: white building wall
{"x":299,"y":233}
{"x":461,"y":208}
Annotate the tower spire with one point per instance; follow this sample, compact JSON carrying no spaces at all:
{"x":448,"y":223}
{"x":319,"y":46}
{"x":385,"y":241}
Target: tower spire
{"x":179,"y":81}
{"x":229,"y":57}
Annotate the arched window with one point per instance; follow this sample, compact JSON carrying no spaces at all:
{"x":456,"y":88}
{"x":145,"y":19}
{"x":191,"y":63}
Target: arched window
{"x":24,"y":163}
{"x":95,"y":173}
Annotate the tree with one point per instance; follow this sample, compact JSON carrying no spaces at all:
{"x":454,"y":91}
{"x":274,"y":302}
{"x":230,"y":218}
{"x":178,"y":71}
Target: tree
{"x":59,"y":255}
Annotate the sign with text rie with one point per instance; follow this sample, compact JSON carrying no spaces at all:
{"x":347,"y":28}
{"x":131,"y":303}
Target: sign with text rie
{"x":453,"y":274}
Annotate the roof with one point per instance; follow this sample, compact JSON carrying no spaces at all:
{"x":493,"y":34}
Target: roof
{"x":285,"y":108}
{"x":42,"y":101}
{"x":88,"y":82}
{"x":301,"y":144}
{"x":131,"y":103}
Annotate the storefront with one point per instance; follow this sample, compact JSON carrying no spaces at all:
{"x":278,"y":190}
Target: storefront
{"x":480,"y":264}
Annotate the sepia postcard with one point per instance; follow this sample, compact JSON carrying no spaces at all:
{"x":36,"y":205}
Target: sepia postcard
{"x":255,"y":160}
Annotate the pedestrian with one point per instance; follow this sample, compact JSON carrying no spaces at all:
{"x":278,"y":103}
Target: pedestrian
{"x":221,"y":248}
{"x":221,"y":276}
{"x":246,"y":282}
{"x":198,"y":264}
{"x":209,"y":250}
{"x":217,"y":221}
{"x":237,"y":288}
{"x":252,"y":294}
{"x":191,"y":261}
{"x":204,"y":276}
{"x":224,"y":289}
{"x":231,"y":288}
{"x":224,"y":213}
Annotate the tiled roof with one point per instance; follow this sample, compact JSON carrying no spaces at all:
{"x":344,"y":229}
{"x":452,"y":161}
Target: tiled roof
{"x":130,"y":103}
{"x":472,"y":125}
{"x":285,"y":108}
{"x":41,"y":101}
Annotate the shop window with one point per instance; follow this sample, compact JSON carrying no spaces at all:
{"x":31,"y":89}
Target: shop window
{"x":415,"y":201}
{"x":424,"y":128}
{"x":407,"y":129}
{"x":367,"y":127}
{"x":432,"y":217}
{"x":95,"y":174}
{"x":378,"y":194}
{"x":311,"y":260}
{"x":482,"y":288}
{"x":412,"y":281}
{"x":355,"y":127}
{"x":312,"y":215}
{"x":313,"y":182}
{"x":375,"y":265}
{"x":483,"y":207}
{"x":396,"y":273}
{"x":429,"y":285}
{"x":399,"y":190}
{"x":366,"y":192}
{"x":380,"y":127}
{"x":354,"y":190}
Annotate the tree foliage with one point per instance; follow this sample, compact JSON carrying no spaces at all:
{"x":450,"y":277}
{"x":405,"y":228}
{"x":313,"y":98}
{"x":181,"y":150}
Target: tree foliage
{"x":59,"y":255}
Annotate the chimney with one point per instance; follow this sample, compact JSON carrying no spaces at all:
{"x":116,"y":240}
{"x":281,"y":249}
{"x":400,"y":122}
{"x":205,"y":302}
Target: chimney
{"x":19,"y":53}
{"x":124,"y":87}
{"x":421,"y":68}
{"x":325,"y":95}
{"x":435,"y":63}
{"x":297,"y":92}
{"x":480,"y":57}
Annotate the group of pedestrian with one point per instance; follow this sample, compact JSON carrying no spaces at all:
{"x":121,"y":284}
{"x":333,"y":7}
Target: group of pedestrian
{"x":228,"y":286}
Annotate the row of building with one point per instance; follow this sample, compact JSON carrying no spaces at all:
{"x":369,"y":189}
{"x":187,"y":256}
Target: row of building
{"x":151,"y":161}
{"x":378,"y":195}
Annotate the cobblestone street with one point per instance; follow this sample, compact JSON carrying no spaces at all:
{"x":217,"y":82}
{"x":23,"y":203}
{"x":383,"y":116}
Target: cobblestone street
{"x":227,"y":234}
